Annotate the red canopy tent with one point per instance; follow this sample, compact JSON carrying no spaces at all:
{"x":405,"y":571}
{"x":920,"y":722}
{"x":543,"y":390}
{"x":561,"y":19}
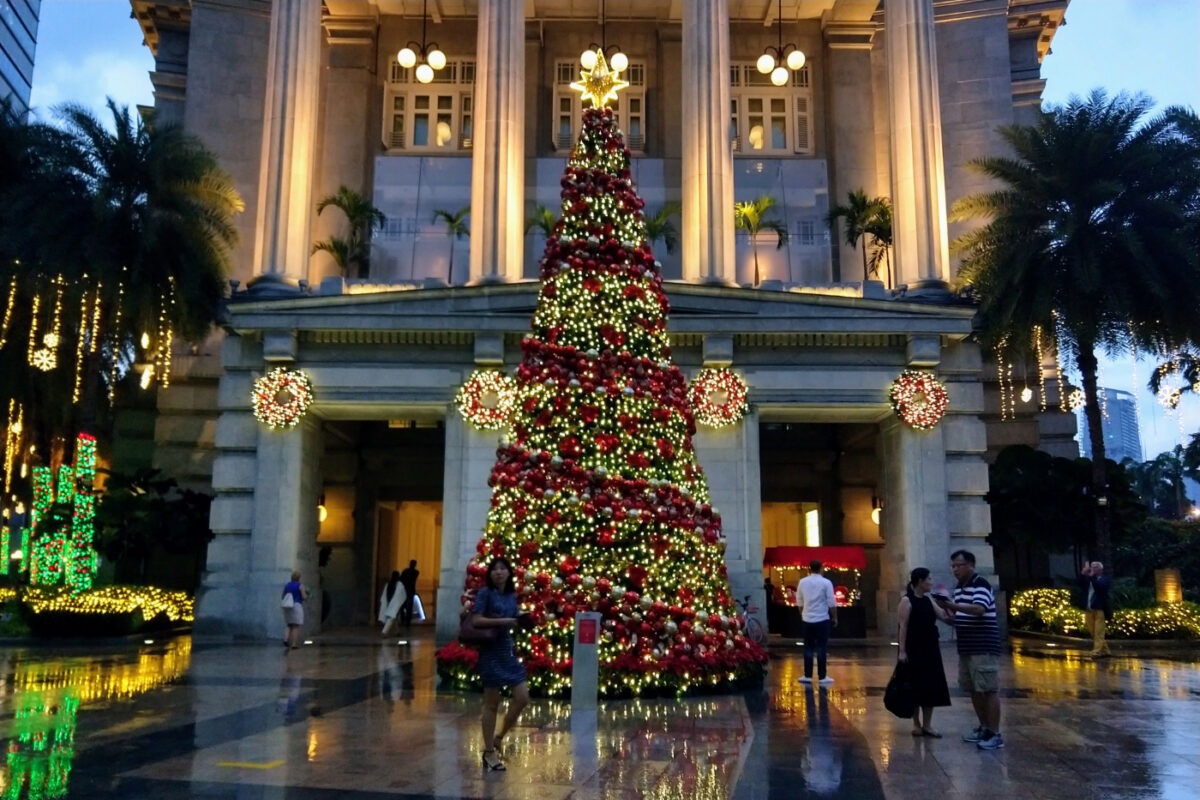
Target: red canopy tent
{"x":833,"y":556}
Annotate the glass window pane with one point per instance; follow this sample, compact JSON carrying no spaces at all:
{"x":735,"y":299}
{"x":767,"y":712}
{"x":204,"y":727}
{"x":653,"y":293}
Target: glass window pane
{"x":420,"y":130}
{"x":778,"y":105}
{"x":421,"y":101}
{"x":778,"y":133}
{"x":445,"y":102}
{"x":755,"y":105}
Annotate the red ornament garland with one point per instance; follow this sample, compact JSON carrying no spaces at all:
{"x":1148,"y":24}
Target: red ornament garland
{"x":718,"y":397}
{"x":281,"y":397}
{"x":919,"y":399}
{"x":486,"y":400}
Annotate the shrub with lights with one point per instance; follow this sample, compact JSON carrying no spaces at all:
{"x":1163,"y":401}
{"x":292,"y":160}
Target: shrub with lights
{"x":597,"y":497}
{"x":63,"y":521}
{"x":1051,"y":611}
{"x":919,"y":399}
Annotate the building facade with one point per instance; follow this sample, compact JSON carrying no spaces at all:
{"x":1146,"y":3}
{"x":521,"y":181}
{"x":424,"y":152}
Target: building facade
{"x":1122,"y":436}
{"x":298,"y":98}
{"x":18,"y":41}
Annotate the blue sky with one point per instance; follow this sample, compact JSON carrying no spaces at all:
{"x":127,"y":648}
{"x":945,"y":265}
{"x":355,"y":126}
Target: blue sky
{"x":91,"y":49}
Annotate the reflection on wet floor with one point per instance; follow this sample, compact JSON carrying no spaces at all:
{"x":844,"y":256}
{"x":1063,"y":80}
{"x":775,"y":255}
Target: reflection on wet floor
{"x":357,"y":719}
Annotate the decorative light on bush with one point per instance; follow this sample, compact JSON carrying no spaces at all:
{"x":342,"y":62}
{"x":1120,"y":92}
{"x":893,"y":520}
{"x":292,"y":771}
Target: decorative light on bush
{"x":486,"y":399}
{"x":718,"y":397}
{"x":428,"y":53}
{"x":281,"y":397}
{"x":919,"y":399}
{"x":781,"y":60}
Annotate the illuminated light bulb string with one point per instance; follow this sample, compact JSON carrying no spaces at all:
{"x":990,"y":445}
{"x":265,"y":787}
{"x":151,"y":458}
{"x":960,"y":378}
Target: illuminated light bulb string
{"x":597,"y":497}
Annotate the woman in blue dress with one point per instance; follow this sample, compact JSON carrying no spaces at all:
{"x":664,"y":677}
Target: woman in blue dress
{"x":496,"y":606}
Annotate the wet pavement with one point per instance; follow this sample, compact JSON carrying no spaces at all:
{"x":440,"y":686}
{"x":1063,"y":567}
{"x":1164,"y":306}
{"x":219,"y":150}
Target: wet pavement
{"x":350,"y":717}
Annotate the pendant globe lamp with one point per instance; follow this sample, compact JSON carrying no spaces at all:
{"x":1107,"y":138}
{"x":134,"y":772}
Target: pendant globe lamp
{"x":426,"y":56}
{"x":781,"y":60}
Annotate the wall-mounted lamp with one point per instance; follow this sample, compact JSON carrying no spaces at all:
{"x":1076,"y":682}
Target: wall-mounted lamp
{"x":428,"y":53}
{"x":617,"y":61}
{"x":876,"y":509}
{"x":773,"y":59}
{"x":322,"y":511}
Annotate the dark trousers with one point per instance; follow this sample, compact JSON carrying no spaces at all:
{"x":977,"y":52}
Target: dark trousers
{"x":406,"y":611}
{"x":816,"y":639}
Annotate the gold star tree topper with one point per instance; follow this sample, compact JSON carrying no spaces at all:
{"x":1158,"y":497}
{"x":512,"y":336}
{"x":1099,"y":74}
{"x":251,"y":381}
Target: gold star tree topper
{"x":599,"y":84}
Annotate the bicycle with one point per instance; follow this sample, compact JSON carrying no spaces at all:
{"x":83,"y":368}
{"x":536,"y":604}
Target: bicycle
{"x":752,"y":628}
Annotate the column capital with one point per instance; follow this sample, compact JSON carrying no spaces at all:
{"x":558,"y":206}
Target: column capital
{"x":849,"y":34}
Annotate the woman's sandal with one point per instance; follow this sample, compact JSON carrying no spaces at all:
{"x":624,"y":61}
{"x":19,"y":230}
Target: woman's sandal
{"x":496,"y":745}
{"x":495,"y":765}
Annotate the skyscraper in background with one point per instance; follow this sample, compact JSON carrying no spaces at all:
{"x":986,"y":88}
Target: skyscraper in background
{"x":1121,"y":437}
{"x":18,"y":40}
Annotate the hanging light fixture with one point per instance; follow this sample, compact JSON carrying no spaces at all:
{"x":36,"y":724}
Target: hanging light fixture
{"x":780,"y":61}
{"x":429,"y":55}
{"x":617,"y":61}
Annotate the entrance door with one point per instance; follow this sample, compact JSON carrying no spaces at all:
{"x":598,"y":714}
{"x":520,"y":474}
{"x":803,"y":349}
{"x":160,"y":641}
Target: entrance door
{"x":410,"y":530}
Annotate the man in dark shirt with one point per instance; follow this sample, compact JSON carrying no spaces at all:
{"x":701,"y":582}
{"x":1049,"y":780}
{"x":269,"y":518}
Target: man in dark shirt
{"x":408,"y":578}
{"x":978,"y":633}
{"x":1097,"y":605}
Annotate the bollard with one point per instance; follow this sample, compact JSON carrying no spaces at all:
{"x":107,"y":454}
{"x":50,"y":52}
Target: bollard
{"x":585,"y":662}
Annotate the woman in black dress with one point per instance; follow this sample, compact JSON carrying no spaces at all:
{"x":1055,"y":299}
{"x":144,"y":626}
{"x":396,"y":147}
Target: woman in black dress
{"x":919,"y":649}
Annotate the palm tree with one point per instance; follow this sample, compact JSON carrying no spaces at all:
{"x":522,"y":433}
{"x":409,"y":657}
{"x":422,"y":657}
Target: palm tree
{"x":879,"y":226}
{"x":751,"y":217}
{"x":863,"y":215}
{"x":352,"y":252}
{"x":1186,"y":365}
{"x":543,"y":220}
{"x":1088,"y":234}
{"x":456,"y":228}
{"x":660,"y":226}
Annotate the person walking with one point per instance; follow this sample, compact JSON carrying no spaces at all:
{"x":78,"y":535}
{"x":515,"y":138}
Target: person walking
{"x":293,"y":612}
{"x":1097,"y":605}
{"x":496,"y":606}
{"x":974,"y":609}
{"x":818,"y":613}
{"x":920,"y":650}
{"x":390,"y":602}
{"x":409,"y":579}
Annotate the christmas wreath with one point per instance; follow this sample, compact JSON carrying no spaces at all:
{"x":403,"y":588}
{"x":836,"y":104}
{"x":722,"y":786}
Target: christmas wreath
{"x":281,"y":397}
{"x":919,"y":399}
{"x":718,"y":397}
{"x":486,"y":399}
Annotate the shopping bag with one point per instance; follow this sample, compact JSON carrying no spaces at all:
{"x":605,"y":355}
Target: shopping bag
{"x":418,"y":610}
{"x":899,"y":697}
{"x":287,"y":601}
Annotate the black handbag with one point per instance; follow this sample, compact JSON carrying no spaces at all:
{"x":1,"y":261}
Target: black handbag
{"x":469,"y":634}
{"x":899,"y":696}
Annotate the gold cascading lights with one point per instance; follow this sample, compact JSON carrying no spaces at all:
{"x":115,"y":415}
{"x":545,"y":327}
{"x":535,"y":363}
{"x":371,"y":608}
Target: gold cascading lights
{"x":599,"y":84}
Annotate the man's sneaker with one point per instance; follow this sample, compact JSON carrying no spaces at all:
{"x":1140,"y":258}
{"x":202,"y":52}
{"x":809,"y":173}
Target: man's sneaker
{"x":806,"y":679}
{"x":825,"y":681}
{"x":993,"y":742}
{"x":974,"y":736}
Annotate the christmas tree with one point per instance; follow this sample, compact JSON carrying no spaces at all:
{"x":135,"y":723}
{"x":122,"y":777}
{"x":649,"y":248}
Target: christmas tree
{"x":597,"y":499}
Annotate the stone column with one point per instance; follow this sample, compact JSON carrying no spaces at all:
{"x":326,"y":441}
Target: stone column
{"x":708,"y":234}
{"x":470,"y":456}
{"x":498,"y":157}
{"x":289,"y":135}
{"x":921,"y":252}
{"x":851,"y":126}
{"x":730,"y":458}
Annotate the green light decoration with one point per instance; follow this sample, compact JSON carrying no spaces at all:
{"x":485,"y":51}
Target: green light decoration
{"x":65,"y":556}
{"x":597,"y":497}
{"x":4,"y":549}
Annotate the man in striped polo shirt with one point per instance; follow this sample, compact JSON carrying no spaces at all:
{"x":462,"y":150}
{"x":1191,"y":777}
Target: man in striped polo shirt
{"x":974,"y":608}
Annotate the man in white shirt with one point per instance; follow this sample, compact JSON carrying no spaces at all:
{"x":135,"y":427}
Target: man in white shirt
{"x":818,"y":612}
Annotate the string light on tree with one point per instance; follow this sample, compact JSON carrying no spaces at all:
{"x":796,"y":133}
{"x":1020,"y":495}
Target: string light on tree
{"x":919,"y":399}
{"x":12,"y":441}
{"x":281,"y":397}
{"x":718,"y":397}
{"x":116,"y":332}
{"x":486,"y":399}
{"x":8,"y":311}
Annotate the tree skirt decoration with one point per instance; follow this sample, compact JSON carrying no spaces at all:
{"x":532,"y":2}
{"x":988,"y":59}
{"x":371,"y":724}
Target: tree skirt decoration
{"x":718,"y":397}
{"x":281,"y":397}
{"x":919,"y":399}
{"x":486,"y":399}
